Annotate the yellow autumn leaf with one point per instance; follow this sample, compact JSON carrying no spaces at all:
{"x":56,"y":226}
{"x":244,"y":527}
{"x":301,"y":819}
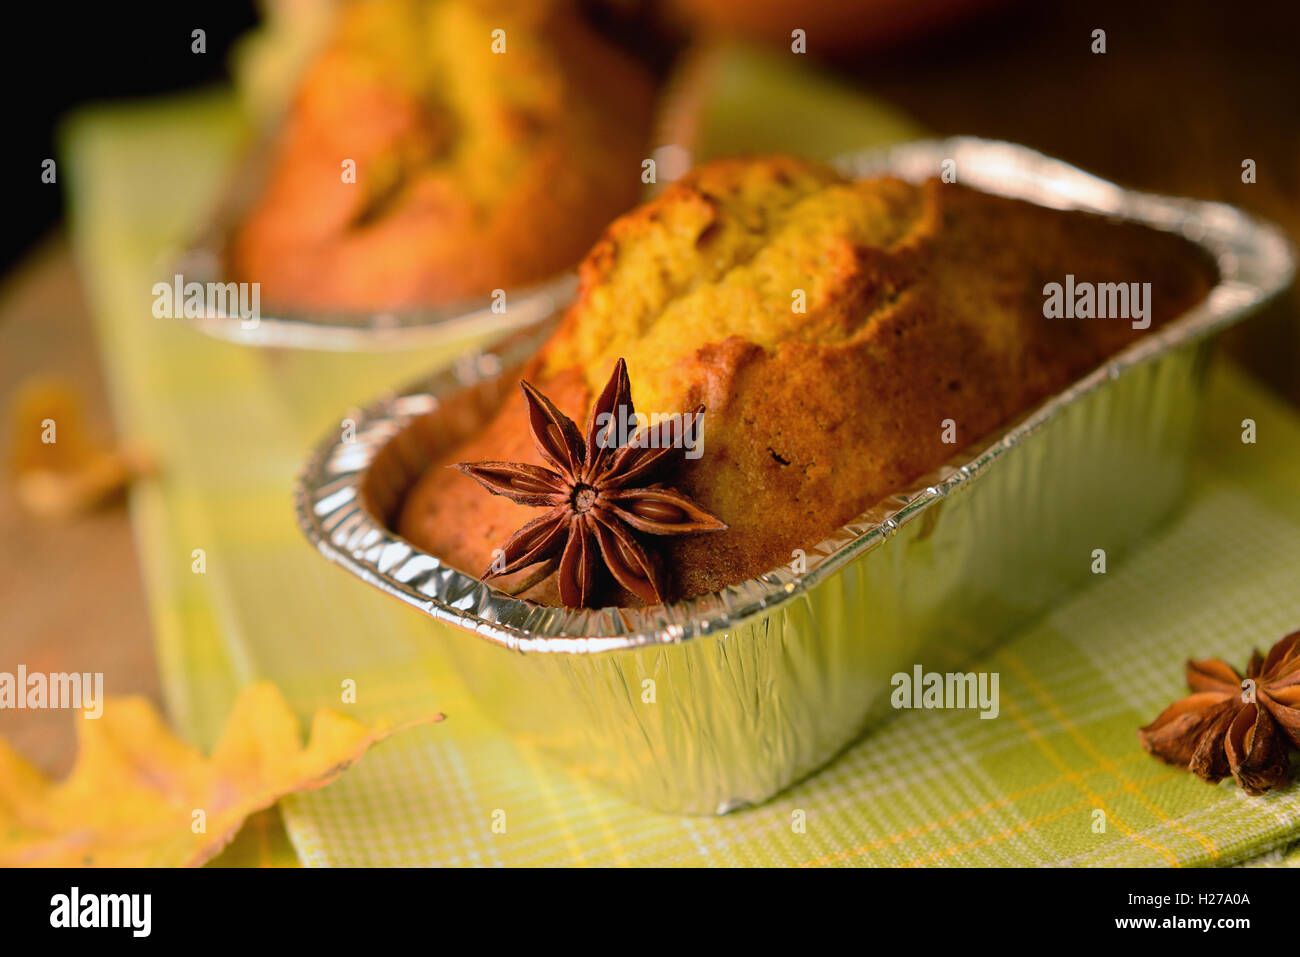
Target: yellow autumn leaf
{"x":48,"y":430}
{"x":137,"y":795}
{"x":59,"y":467}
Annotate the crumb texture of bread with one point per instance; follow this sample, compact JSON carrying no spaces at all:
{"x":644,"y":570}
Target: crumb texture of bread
{"x":830,"y":328}
{"x":474,"y":170}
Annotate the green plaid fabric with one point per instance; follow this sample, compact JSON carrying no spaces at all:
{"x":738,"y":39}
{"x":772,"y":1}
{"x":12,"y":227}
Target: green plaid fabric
{"x":230,"y":426}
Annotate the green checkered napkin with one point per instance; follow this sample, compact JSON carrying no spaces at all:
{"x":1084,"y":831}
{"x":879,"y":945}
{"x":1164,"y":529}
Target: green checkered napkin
{"x":230,"y":426}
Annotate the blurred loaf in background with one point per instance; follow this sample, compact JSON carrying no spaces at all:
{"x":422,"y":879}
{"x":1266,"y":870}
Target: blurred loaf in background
{"x":483,"y":160}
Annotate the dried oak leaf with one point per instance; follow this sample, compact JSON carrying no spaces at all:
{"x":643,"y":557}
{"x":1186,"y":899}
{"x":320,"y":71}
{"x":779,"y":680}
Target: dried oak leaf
{"x":131,"y":798}
{"x":1234,"y":725}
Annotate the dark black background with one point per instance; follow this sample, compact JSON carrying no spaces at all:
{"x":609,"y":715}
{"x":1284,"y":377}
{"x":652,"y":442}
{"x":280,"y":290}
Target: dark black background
{"x":58,"y":55}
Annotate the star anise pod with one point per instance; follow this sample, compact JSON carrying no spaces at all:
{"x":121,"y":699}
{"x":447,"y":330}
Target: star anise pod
{"x":597,"y":493}
{"x":1234,"y":725}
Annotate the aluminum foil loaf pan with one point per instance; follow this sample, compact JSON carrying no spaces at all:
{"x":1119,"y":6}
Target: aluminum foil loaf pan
{"x":706,"y":705}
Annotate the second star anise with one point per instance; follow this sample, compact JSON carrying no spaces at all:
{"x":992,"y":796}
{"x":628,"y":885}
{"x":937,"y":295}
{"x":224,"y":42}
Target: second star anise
{"x":1234,"y":725}
{"x":599,"y":494}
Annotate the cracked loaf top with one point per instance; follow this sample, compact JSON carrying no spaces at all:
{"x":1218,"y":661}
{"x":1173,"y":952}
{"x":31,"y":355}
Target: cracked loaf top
{"x":830,"y":328}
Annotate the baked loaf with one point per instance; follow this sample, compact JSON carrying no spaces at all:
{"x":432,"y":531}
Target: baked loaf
{"x":923,"y":303}
{"x":474,"y":170}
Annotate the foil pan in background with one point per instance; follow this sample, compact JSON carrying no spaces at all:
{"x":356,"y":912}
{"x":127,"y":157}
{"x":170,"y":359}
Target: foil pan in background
{"x":721,"y":701}
{"x":203,"y":260}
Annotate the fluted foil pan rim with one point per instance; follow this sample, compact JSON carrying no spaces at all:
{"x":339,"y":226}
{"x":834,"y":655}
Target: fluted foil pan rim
{"x":1255,"y":262}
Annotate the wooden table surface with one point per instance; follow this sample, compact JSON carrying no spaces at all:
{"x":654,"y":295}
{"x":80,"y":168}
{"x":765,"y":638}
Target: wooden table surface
{"x":1183,"y":95}
{"x":70,"y":591}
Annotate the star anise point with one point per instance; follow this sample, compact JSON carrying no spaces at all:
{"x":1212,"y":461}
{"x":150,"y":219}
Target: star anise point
{"x":597,"y":493}
{"x":1232,"y":725}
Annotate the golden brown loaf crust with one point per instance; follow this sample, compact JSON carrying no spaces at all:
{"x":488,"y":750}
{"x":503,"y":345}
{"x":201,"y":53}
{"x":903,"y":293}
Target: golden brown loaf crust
{"x":924,"y":303}
{"x":475,"y":170}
